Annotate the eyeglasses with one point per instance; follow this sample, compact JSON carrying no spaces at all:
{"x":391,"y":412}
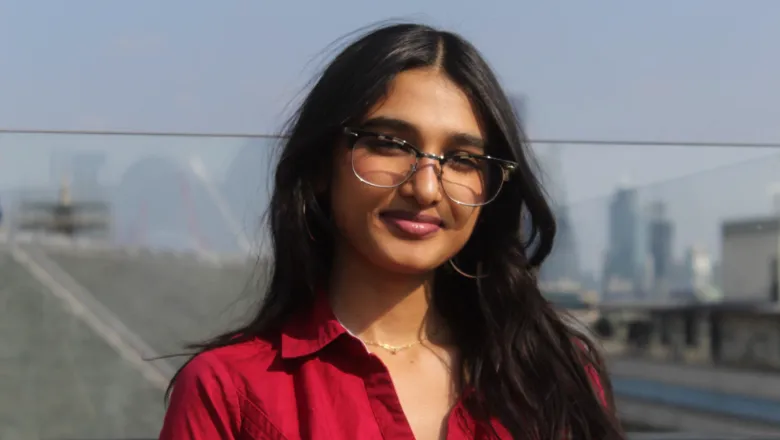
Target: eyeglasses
{"x":387,"y":162}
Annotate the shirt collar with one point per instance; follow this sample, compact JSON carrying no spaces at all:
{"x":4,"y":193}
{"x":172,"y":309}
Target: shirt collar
{"x":311,"y":330}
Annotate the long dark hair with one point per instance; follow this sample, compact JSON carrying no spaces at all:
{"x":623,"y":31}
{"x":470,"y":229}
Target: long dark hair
{"x":524,"y":364}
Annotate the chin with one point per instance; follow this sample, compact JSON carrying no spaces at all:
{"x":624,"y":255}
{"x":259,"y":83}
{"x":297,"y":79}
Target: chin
{"x":405,"y":268}
{"x":411,"y":261}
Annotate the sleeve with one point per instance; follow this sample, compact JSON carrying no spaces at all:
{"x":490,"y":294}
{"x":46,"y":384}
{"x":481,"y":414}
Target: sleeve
{"x":204,"y":403}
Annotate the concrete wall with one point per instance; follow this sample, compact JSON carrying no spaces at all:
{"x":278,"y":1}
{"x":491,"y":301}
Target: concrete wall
{"x":670,"y":341}
{"x":751,"y":340}
{"x":747,"y":339}
{"x":748,"y":251}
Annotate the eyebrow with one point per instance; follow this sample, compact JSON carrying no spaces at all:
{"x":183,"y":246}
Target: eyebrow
{"x":382,"y":122}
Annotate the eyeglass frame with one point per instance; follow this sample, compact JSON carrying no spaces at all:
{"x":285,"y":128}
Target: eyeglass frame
{"x":507,"y":166}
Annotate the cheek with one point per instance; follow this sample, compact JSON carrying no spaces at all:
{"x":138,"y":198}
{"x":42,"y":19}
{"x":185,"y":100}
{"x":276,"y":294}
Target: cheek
{"x":465,"y":218}
{"x":351,"y":200}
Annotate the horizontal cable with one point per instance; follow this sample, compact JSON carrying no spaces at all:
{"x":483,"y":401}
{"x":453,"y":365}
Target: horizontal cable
{"x":573,"y":141}
{"x":138,"y":133}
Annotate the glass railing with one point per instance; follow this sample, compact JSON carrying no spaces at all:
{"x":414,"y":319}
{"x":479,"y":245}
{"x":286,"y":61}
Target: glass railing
{"x":168,"y":226}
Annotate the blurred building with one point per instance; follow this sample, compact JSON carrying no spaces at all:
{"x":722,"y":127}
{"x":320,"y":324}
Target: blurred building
{"x":626,"y":264}
{"x":749,"y":266}
{"x":698,"y":264}
{"x":693,"y":278}
{"x":660,"y":231}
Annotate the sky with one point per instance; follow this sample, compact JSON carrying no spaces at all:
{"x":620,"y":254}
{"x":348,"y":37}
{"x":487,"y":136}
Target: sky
{"x":693,"y":70}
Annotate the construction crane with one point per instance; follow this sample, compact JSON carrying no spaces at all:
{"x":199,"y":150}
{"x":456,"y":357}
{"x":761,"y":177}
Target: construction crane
{"x":64,"y":216}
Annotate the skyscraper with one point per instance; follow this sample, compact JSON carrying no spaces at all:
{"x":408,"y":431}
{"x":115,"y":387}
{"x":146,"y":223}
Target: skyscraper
{"x":626,"y":262}
{"x":660,"y":239}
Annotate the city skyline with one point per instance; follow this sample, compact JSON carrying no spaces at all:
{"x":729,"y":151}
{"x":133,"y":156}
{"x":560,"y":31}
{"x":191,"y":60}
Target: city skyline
{"x":582,"y":269}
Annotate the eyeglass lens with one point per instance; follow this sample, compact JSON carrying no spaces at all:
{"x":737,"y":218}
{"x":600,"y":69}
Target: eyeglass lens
{"x":386,"y":163}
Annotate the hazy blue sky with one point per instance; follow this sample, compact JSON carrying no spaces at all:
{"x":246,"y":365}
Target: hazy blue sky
{"x":660,"y":70}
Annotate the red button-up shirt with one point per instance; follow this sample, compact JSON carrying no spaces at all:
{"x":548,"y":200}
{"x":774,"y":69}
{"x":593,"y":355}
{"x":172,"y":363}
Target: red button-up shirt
{"x":315,"y":382}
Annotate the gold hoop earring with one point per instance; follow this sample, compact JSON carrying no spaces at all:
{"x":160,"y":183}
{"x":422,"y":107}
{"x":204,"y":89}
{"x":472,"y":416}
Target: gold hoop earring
{"x":306,"y":223}
{"x":478,"y":276}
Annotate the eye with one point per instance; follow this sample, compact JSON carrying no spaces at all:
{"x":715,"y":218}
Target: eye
{"x":464,"y":162}
{"x":383,"y":145}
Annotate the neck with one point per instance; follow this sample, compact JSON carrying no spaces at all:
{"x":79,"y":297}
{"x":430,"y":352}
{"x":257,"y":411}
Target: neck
{"x":378,"y":305}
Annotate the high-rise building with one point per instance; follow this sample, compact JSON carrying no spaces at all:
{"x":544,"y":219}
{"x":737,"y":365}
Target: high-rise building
{"x":625,"y":267}
{"x":660,"y":231}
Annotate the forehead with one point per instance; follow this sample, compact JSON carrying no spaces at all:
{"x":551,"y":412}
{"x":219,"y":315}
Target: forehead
{"x":430,"y":102}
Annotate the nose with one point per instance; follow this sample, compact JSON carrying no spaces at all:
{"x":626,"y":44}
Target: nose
{"x":424,"y":184}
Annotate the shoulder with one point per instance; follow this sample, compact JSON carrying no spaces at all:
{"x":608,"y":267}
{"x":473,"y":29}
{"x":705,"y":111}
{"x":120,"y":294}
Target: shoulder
{"x":237,"y":358}
{"x":234,"y":371}
{"x":211,"y":390}
{"x":227,"y":366}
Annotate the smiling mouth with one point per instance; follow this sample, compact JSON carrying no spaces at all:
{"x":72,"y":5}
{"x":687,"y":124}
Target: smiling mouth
{"x":412,"y":225}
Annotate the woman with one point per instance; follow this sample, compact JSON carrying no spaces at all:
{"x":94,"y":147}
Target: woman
{"x":403,"y":302}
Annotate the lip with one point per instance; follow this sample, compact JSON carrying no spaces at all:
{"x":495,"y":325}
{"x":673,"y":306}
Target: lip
{"x":412,"y":224}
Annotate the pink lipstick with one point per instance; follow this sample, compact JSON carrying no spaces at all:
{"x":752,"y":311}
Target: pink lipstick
{"x":415,"y":225}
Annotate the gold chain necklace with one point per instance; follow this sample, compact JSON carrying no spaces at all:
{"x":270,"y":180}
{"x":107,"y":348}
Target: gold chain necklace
{"x":393,"y":349}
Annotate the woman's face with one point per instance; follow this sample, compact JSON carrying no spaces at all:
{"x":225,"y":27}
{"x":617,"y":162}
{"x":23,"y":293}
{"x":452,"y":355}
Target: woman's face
{"x":414,"y":227}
